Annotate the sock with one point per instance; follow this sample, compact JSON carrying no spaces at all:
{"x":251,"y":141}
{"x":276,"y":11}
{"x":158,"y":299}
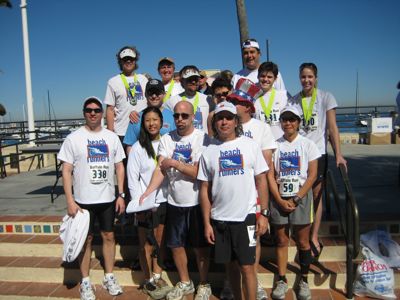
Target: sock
{"x":109,"y":276}
{"x":186,"y":282}
{"x":283,"y":278}
{"x":305,"y":260}
{"x":86,"y":280}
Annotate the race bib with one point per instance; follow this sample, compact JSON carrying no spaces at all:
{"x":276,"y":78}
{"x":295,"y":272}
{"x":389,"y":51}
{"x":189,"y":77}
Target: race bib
{"x":312,"y":124}
{"x":251,"y":231}
{"x":289,"y":187}
{"x":273,"y":118}
{"x":98,"y":174}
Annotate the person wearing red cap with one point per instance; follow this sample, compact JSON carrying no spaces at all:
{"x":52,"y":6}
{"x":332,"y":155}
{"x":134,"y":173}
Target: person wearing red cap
{"x":166,"y":69}
{"x":243,"y":97}
{"x":227,"y":172}
{"x":125,"y":92}
{"x":251,"y":55}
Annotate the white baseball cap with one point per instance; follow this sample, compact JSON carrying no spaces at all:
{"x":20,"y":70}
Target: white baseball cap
{"x":127,"y":53}
{"x":225,"y":106}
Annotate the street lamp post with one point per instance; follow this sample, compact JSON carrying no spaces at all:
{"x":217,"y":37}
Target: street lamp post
{"x":28,"y":81}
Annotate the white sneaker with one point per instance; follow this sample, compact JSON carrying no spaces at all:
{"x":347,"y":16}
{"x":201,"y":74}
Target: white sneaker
{"x":112,"y":286}
{"x":261,"y":293}
{"x":304,"y":291}
{"x":203,"y":292}
{"x":180,"y":290}
{"x":86,"y":291}
{"x":226,"y":293}
{"x":280,"y":290}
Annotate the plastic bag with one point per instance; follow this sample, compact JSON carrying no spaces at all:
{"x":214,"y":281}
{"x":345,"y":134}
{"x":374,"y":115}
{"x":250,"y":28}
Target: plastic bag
{"x":374,"y":277}
{"x":381,"y":244}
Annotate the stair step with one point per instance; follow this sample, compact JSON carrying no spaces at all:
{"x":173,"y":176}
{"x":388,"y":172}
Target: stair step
{"x":57,"y":291}
{"x":53,"y":270}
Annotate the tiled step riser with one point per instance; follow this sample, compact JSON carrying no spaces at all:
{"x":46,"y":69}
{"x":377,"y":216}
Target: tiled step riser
{"x":128,"y":278}
{"x":330,"y":253}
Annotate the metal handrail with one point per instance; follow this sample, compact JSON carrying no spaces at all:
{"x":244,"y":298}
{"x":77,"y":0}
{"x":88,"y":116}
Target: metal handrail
{"x":350,"y":224}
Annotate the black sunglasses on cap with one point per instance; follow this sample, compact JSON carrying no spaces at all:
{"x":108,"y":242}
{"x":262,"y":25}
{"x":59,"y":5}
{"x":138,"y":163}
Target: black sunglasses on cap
{"x":184,"y":116}
{"x":88,"y":110}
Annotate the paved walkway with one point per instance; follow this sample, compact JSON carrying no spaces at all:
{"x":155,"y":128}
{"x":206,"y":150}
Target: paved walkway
{"x":373,"y":172}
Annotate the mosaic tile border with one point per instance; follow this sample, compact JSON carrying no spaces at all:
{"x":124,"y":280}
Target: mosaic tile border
{"x":29,"y":228}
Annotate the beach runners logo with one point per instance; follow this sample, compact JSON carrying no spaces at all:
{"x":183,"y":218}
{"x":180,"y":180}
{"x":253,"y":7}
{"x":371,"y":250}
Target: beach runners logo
{"x":289,"y":163}
{"x":183,"y":153}
{"x":97,"y":151}
{"x":230,"y":163}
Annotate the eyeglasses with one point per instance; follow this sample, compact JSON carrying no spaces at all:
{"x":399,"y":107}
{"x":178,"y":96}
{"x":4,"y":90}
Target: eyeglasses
{"x":220,"y":95}
{"x":184,"y":116}
{"x":291,"y":120}
{"x":127,"y":59}
{"x":227,"y":117}
{"x":88,"y":110}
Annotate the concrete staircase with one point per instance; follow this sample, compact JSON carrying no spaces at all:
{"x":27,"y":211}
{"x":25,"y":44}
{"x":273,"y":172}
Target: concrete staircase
{"x":31,"y":265}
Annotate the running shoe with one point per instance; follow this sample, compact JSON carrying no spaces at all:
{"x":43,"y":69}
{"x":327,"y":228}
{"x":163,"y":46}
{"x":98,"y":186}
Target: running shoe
{"x":180,"y":290}
{"x":86,"y":291}
{"x":280,"y":290}
{"x":304,"y":291}
{"x":203,"y":292}
{"x":112,"y":286}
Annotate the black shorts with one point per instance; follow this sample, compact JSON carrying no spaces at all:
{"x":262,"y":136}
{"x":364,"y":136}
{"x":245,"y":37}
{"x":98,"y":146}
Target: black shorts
{"x":322,"y":168}
{"x":104,"y":212}
{"x":184,"y":227}
{"x":150,"y":219}
{"x":233,"y":241}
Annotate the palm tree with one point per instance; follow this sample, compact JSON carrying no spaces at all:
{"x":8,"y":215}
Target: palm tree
{"x":5,"y":3}
{"x":242,"y":19}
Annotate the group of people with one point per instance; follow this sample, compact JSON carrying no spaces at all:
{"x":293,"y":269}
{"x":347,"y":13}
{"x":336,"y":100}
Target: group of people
{"x":215,"y":166}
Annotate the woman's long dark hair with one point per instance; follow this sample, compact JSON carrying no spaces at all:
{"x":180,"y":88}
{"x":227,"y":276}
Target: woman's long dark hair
{"x":144,"y":136}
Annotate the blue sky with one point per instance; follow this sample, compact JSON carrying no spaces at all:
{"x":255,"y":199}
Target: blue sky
{"x":73,"y":45}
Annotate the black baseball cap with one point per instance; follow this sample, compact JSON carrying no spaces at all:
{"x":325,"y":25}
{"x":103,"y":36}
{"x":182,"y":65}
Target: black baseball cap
{"x":155,"y":85}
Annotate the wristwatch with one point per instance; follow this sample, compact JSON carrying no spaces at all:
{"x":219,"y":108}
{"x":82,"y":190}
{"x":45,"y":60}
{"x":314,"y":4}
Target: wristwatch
{"x":122,"y":195}
{"x":296,"y":200}
{"x":265,"y":212}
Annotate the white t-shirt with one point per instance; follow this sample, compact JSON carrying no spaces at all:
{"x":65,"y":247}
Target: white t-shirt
{"x":231,"y":166}
{"x":182,"y":190}
{"x":291,"y":162}
{"x":317,"y":129}
{"x":261,"y":133}
{"x":93,"y":156}
{"x":280,"y":101}
{"x":118,"y":96}
{"x":140,"y":169}
{"x":253,"y":76}
{"x":200,"y":117}
{"x":176,"y":89}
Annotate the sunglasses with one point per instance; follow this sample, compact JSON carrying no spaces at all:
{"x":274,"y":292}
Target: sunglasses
{"x":184,"y":116}
{"x":88,"y":110}
{"x":291,"y":120}
{"x":224,"y":94}
{"x":227,"y":117}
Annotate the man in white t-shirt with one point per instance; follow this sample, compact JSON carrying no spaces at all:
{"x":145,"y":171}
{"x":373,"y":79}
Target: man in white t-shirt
{"x":190,"y":81}
{"x":179,"y":152}
{"x":251,"y":56}
{"x":242,"y":97}
{"x":125,"y":92}
{"x":269,"y":105}
{"x":166,"y":69}
{"x":228,"y":170}
{"x":90,"y":157}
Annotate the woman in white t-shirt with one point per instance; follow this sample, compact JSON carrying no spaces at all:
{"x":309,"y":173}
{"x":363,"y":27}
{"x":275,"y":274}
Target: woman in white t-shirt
{"x":291,"y":177}
{"x":141,"y":164}
{"x":318,"y":114}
